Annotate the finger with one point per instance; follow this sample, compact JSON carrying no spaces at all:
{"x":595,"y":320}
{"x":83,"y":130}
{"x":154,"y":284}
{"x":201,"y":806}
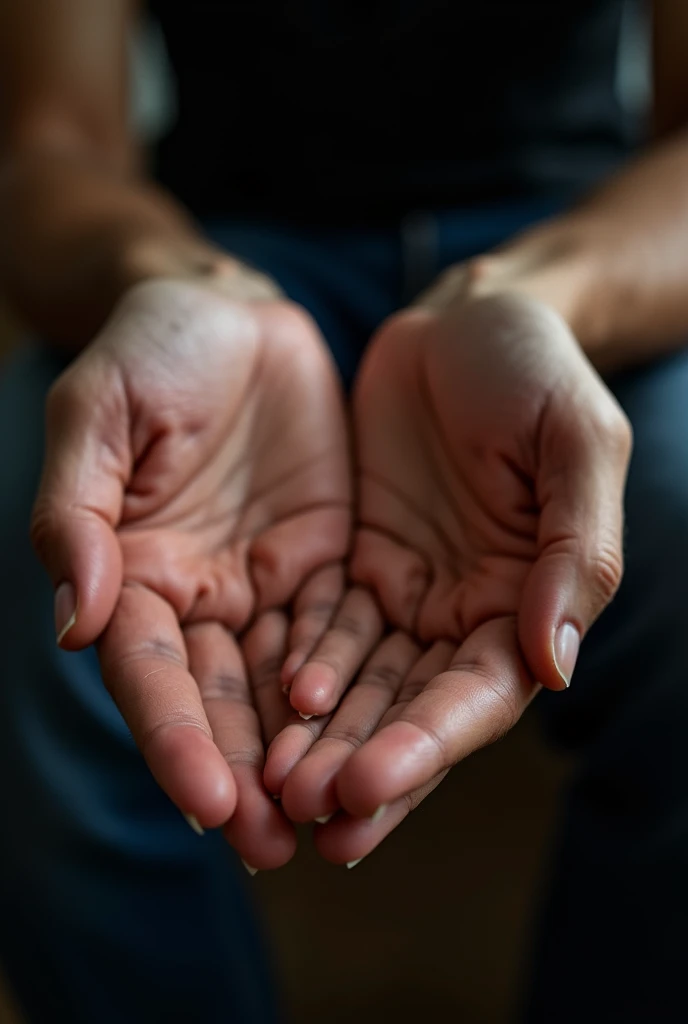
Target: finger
{"x":475,"y":701}
{"x":264,"y":646}
{"x":579,"y":565}
{"x":347,"y":840}
{"x":258,"y":830}
{"x":314,"y":607}
{"x":287,"y":749}
{"x":309,"y":792}
{"x":287,"y":735}
{"x":434,"y":661}
{"x":144,"y":665}
{"x":355,"y":630}
{"x":86,"y":466}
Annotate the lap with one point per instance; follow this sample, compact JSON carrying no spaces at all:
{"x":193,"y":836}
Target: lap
{"x":617,"y":889}
{"x":101,"y":878}
{"x":111,"y":908}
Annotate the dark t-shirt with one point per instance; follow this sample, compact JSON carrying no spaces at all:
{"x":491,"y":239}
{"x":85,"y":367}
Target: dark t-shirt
{"x":337,"y":110}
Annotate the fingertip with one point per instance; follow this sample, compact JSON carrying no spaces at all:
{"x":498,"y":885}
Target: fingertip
{"x":309,"y":792}
{"x":358,"y":788}
{"x":397,"y":760}
{"x":284,"y":753}
{"x":313,"y":689}
{"x":86,"y":565}
{"x":191,"y":770}
{"x":347,"y":840}
{"x":259,"y":830}
{"x":542,"y":622}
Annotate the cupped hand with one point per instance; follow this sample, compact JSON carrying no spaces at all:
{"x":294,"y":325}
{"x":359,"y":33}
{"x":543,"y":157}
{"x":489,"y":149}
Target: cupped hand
{"x":196,"y":475}
{"x":491,"y":469}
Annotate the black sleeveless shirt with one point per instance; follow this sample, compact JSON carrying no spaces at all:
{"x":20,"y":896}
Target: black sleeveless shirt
{"x":360,"y":110}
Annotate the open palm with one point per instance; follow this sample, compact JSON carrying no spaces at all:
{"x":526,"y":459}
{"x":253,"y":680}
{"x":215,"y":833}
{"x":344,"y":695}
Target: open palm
{"x":491,"y":468}
{"x":196,"y":475}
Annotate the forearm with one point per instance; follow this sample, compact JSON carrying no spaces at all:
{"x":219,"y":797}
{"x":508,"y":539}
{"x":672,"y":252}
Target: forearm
{"x":76,"y":235}
{"x":616,"y":266}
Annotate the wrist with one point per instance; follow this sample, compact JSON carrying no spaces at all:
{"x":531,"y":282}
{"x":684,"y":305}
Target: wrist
{"x":553,"y":264}
{"x":192,"y":259}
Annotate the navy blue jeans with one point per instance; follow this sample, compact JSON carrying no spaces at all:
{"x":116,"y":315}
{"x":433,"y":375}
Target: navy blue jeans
{"x":111,"y":910}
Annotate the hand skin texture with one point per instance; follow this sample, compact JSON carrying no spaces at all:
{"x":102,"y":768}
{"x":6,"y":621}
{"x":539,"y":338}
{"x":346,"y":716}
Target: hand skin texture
{"x":196,"y":476}
{"x":491,"y":462}
{"x":81,"y":223}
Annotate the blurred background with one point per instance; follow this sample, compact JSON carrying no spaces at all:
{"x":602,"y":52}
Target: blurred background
{"x":436,"y":923}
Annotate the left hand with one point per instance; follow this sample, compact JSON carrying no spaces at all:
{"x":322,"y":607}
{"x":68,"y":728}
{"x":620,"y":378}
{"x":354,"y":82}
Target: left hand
{"x":491,"y":470}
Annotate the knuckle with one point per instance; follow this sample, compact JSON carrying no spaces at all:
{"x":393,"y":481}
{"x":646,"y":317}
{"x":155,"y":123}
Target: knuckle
{"x":305,"y":639}
{"x":611,"y":425}
{"x":620,"y":434}
{"x":346,"y":734}
{"x":386,"y":677}
{"x":267,"y":671}
{"x":249,"y":757}
{"x":319,"y":611}
{"x":350,"y":626}
{"x":605,"y":570}
{"x":444,"y":756}
{"x":506,"y":708}
{"x":225,"y":687}
{"x":412,"y":689}
{"x":157,"y":649}
{"x":62,"y":398}
{"x":166,"y":724}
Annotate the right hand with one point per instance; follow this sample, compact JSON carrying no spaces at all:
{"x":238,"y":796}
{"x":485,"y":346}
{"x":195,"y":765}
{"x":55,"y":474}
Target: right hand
{"x":196,"y":475}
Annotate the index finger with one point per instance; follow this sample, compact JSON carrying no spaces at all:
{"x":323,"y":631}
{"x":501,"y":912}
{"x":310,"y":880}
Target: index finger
{"x":144,"y":664}
{"x":477,"y":700}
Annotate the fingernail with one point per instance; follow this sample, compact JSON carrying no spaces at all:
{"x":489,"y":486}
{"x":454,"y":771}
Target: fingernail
{"x":251,"y":871}
{"x":325,"y":818}
{"x":305,"y":717}
{"x":65,"y":610}
{"x":379,"y":813}
{"x":566,"y":647}
{"x":353,"y":863}
{"x":193,"y":822}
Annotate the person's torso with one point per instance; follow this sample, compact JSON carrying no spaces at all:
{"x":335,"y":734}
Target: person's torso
{"x":334,"y":109}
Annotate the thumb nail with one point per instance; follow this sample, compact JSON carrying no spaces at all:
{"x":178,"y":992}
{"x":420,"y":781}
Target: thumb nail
{"x":566,"y":647}
{"x":65,"y":610}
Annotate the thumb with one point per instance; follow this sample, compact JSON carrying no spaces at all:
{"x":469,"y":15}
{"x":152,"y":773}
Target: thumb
{"x":79,"y":502}
{"x":581,"y":475}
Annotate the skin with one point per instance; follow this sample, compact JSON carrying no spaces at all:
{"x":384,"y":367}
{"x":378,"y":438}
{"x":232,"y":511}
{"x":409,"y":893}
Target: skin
{"x":500,"y":524}
{"x":204,"y":487}
{"x":491,"y":464}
